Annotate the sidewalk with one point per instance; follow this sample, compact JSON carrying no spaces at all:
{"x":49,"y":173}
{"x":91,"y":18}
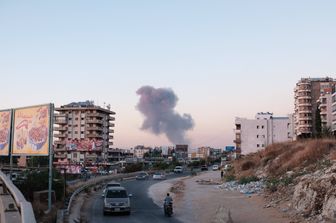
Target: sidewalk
{"x":196,"y":203}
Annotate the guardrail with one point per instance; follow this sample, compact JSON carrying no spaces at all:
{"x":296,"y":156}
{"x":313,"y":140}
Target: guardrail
{"x":96,"y":182}
{"x":24,"y":207}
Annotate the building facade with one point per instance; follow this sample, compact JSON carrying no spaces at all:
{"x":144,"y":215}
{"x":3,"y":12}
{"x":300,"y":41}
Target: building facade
{"x":307,"y":95}
{"x":252,"y":135}
{"x":83,"y":136}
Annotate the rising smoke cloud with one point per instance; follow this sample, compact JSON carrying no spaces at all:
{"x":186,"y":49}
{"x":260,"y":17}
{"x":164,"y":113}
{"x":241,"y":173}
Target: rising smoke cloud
{"x":157,"y":105}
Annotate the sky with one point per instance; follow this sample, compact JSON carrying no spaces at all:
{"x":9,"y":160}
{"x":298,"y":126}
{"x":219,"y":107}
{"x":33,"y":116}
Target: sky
{"x":223,"y":59}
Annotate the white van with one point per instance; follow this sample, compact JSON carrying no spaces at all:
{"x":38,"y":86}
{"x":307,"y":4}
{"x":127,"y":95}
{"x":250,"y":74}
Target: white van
{"x":116,"y":200}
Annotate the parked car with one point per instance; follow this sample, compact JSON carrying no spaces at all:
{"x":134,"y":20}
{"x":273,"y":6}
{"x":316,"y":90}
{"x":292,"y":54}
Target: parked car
{"x":215,"y":167}
{"x":204,"y":168}
{"x":110,"y":184}
{"x":116,"y":200}
{"x":159,"y":176}
{"x":178,"y":169}
{"x":142,"y":176}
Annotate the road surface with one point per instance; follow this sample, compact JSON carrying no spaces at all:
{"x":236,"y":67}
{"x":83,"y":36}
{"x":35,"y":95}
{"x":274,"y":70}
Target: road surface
{"x":142,"y":207}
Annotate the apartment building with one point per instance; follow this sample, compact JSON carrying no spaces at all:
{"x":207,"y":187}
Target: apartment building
{"x":83,"y":135}
{"x":307,"y":95}
{"x":252,"y":135}
{"x":325,"y":107}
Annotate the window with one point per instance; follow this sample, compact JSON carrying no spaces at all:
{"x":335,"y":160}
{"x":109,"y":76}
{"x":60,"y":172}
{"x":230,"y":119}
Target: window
{"x":257,"y":136}
{"x":257,"y":126}
{"x":69,"y":132}
{"x":262,"y":126}
{"x":262,"y":145}
{"x":82,"y":132}
{"x":76,"y":132}
{"x":70,"y":119}
{"x":263,"y":136}
{"x":257,"y":145}
{"x":76,"y":118}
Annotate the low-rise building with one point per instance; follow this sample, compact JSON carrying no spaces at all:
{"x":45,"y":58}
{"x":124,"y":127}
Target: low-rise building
{"x":252,"y":135}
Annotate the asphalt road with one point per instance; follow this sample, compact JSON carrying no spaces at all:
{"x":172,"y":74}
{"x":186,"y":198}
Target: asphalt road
{"x":143,"y":210}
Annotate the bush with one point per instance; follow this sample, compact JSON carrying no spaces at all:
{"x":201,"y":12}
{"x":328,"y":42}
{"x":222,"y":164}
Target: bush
{"x":247,"y":165}
{"x":133,"y":167}
{"x":38,"y":181}
{"x":229,"y":177}
{"x":246,"y":180}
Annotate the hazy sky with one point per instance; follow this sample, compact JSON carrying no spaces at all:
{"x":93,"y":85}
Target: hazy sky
{"x":221,"y":58}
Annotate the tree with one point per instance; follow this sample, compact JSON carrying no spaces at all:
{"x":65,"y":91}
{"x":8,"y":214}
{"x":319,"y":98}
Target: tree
{"x":318,"y":125}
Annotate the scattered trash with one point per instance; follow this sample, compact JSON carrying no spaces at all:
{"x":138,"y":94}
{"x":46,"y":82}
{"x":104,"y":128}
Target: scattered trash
{"x":249,"y":188}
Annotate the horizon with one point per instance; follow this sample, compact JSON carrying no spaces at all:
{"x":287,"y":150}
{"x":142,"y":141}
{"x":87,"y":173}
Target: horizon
{"x":222,"y":59}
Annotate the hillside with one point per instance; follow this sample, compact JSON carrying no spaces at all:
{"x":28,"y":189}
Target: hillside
{"x":300,"y":177}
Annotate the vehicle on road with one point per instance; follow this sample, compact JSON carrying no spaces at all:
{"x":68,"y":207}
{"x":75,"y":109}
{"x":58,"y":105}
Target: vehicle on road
{"x":110,"y":184}
{"x":215,"y":167}
{"x":178,"y":169}
{"x":142,"y":176}
{"x":116,"y":200}
{"x":159,"y":176}
{"x":168,"y":209}
{"x":204,"y":168}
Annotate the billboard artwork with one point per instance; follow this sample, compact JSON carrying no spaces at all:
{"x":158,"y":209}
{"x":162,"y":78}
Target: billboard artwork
{"x":31,"y":130}
{"x":5,"y":125}
{"x":84,"y":144}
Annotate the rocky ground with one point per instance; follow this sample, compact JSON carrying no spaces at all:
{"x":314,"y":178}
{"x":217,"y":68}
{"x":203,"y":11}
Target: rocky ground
{"x":201,"y":199}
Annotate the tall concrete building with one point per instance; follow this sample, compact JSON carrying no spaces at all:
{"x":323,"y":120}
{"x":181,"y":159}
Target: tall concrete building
{"x":307,"y":95}
{"x":255,"y":134}
{"x":84,"y":134}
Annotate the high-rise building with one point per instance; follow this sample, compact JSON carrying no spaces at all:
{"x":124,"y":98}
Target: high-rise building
{"x":255,"y":134}
{"x":307,"y":95}
{"x":84,"y":134}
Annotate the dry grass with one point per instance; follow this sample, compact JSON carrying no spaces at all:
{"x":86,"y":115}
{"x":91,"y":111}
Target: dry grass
{"x":278,"y":158}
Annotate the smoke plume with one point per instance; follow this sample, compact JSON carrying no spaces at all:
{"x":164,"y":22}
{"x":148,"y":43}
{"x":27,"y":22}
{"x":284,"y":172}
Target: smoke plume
{"x":157,"y":105}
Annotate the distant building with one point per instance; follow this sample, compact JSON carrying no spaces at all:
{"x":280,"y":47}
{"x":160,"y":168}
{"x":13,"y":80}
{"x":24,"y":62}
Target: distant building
{"x":307,"y":93}
{"x":84,"y":133}
{"x":181,"y":152}
{"x":255,"y":134}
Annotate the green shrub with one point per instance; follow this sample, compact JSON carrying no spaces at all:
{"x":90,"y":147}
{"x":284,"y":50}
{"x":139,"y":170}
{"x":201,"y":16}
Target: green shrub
{"x":246,"y":180}
{"x":229,"y":177}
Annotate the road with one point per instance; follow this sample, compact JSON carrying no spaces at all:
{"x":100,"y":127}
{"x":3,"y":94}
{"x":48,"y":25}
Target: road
{"x":143,"y":208}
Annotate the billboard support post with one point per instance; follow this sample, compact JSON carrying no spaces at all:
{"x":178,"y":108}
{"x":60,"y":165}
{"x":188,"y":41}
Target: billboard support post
{"x":50,"y":154}
{"x":10,"y":146}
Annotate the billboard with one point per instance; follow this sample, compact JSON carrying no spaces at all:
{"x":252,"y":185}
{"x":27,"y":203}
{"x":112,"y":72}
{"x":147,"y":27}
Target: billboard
{"x":5,"y":130}
{"x":84,"y":144}
{"x":31,"y":130}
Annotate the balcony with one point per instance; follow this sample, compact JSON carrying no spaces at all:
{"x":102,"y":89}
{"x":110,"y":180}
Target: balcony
{"x":98,"y":115}
{"x":110,"y":143}
{"x":304,"y":90}
{"x":94,"y":128}
{"x":111,"y":137}
{"x":111,"y":118}
{"x":94,"y":135}
{"x":304,"y":118}
{"x":305,"y":111}
{"x":60,"y":121}
{"x":60,"y":128}
{"x":60,"y":149}
{"x":60,"y":142}
{"x":61,"y":135}
{"x":94,"y":121}
{"x":111,"y":124}
{"x":304,"y":97}
{"x":111,"y":131}
{"x":60,"y":156}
